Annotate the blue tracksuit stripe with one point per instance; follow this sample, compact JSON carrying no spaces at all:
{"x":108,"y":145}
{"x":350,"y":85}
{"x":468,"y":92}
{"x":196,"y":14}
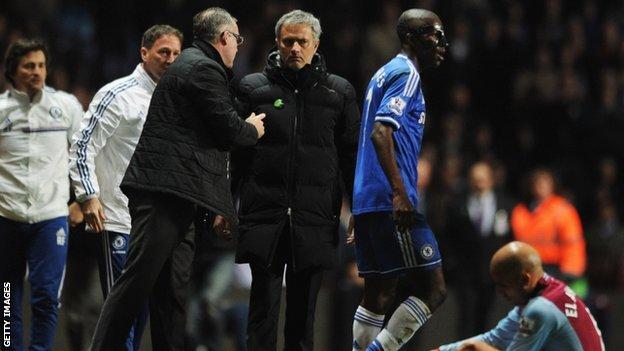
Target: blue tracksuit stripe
{"x":87,"y":132}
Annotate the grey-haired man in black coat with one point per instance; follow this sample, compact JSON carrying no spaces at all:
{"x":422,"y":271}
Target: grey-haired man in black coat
{"x":290,"y":194}
{"x":179,"y":170}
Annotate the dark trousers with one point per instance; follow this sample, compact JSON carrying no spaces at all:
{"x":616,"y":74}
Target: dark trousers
{"x":111,"y":262}
{"x":157,"y":270}
{"x":302,"y":288}
{"x":80,"y":302}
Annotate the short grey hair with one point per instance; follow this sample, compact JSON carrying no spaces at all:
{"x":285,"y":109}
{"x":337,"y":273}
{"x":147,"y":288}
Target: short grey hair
{"x":208,"y":23}
{"x":299,"y":17}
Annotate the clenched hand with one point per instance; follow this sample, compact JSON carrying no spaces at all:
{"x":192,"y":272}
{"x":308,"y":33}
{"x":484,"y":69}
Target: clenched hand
{"x":94,"y":214}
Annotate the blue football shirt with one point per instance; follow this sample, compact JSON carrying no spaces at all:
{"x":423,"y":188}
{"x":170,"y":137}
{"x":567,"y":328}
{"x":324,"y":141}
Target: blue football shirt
{"x":394,"y":96}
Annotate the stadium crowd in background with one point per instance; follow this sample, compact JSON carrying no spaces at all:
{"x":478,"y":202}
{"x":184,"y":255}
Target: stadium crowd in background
{"x":527,"y":85}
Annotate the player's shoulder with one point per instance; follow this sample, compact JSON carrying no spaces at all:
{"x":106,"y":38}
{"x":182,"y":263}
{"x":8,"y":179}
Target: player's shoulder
{"x":539,"y":312}
{"x":400,"y":65}
{"x":115,"y":91}
{"x":253,"y":81}
{"x":398,"y":71}
{"x":120,"y":85}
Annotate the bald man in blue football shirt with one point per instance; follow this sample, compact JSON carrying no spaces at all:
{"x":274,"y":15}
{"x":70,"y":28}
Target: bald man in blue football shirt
{"x":392,"y":239}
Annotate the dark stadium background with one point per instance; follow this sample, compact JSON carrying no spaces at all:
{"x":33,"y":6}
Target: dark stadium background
{"x":526,"y":84}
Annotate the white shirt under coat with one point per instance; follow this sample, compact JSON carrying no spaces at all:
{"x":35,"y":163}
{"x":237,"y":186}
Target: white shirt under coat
{"x":482,"y":209}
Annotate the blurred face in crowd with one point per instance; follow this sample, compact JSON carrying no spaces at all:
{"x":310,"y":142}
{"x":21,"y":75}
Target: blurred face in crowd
{"x":31,"y":73}
{"x":424,"y":174}
{"x":542,"y":185}
{"x":297,"y":45}
{"x":431,"y":45}
{"x":163,"y":52}
{"x":481,"y":178}
{"x":230,"y":39}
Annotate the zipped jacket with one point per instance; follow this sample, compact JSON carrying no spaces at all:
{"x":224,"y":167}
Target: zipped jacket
{"x":105,"y":142}
{"x":34,"y":141}
{"x":190,"y":128}
{"x":293,"y":175}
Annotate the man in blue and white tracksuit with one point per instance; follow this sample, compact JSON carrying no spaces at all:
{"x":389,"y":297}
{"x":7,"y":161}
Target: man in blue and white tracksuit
{"x":36,"y":125}
{"x":103,"y":146}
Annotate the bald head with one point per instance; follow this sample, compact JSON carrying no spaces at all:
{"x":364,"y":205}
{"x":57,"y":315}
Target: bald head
{"x":516,"y":258}
{"x":516,"y":269}
{"x":422,"y":37}
{"x":413,"y":19}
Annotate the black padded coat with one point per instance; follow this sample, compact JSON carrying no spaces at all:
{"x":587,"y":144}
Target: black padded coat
{"x":293,"y":176}
{"x":190,"y":127}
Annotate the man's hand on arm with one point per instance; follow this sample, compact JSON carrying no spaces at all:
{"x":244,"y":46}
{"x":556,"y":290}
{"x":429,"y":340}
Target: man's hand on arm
{"x":93,"y":214}
{"x":403,"y":211}
{"x":256,"y":121}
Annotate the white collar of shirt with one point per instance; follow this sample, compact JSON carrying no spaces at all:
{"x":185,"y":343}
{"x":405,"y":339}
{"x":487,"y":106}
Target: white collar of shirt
{"x":482,"y":207}
{"x":23,"y":98}
{"x":144,"y":77}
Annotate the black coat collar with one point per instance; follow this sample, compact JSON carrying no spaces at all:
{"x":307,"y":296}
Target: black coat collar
{"x":304,"y":78}
{"x":211,"y":52}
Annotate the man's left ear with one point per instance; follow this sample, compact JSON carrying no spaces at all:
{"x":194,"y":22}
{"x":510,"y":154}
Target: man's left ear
{"x":526,"y":280}
{"x":143,"y":54}
{"x":318,"y":42}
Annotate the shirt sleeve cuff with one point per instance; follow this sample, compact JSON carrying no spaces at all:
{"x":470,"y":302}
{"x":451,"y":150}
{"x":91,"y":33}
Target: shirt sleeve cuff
{"x":388,"y":120}
{"x":86,"y":197}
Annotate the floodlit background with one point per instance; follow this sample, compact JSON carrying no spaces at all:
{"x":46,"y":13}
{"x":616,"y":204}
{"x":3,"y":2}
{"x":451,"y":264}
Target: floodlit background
{"x":526,"y":84}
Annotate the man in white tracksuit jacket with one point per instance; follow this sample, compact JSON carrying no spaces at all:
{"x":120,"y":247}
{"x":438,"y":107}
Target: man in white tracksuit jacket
{"x":36,"y":125}
{"x":103,"y":146}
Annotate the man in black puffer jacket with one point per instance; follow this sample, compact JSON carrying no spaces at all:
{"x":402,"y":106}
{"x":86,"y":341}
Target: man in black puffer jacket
{"x":178,"y":171}
{"x":290,"y":194}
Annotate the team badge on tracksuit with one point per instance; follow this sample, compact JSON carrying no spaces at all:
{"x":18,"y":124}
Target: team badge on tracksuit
{"x":61,"y":237}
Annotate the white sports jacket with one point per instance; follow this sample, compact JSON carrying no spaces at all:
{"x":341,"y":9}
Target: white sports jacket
{"x":102,"y":147}
{"x":34,"y":139}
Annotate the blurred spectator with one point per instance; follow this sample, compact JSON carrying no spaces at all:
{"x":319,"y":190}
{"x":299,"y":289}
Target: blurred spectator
{"x":478,"y":226}
{"x":424,"y":168}
{"x":550,"y":224}
{"x":380,"y":39}
{"x":605,"y":263}
{"x":348,"y":288}
{"x":81,"y":306}
{"x":218,"y":305}
{"x":545,"y":79}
